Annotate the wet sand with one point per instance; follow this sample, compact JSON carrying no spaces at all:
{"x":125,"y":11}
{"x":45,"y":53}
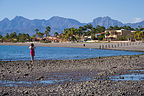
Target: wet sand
{"x":99,"y":68}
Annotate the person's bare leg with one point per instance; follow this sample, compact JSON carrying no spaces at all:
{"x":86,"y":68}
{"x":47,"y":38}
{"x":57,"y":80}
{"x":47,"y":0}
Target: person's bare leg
{"x":32,"y":59}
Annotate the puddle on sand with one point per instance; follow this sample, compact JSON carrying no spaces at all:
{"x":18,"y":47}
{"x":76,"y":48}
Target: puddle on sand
{"x":129,"y":77}
{"x":67,"y":77}
{"x":25,"y":83}
{"x":126,"y":77}
{"x":42,"y":82}
{"x":137,"y":70}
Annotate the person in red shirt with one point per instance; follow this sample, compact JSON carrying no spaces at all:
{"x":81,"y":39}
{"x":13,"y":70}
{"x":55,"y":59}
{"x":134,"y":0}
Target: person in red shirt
{"x":32,"y":52}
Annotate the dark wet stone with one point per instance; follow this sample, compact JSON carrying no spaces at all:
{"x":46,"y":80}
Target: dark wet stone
{"x":121,"y":77}
{"x":123,"y":94}
{"x":29,"y":67}
{"x":17,"y":71}
{"x":5,"y":94}
{"x":9,"y":71}
{"x":26,"y":74}
{"x":26,"y":92}
{"x":3,"y":75}
{"x":110,"y":94}
{"x":39,"y":78}
{"x":114,"y":67}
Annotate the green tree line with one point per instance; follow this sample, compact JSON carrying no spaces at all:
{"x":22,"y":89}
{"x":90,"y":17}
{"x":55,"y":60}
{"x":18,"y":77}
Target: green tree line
{"x":73,"y":34}
{"x":14,"y":37}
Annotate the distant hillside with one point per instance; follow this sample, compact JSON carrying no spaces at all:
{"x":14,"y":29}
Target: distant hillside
{"x":135,"y":25}
{"x":106,"y":21}
{"x":23,"y":25}
{"x":57,"y":24}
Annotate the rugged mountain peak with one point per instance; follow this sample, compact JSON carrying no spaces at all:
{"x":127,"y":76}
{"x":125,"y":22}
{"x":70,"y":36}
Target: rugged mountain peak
{"x":106,"y":17}
{"x":56,"y":18}
{"x":5,"y":20}
{"x":106,"y":21}
{"x":17,"y":18}
{"x":65,"y":22}
{"x":57,"y":24}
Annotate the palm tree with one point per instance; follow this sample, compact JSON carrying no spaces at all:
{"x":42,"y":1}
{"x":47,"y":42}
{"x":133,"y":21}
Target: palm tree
{"x":130,"y":36}
{"x":89,"y":26}
{"x":110,"y":28}
{"x":72,"y":31}
{"x":78,"y":33}
{"x":139,"y":33}
{"x":107,"y":33}
{"x":36,"y":30}
{"x":56,"y":34}
{"x":69,"y":34}
{"x":1,"y":36}
{"x":65,"y":34}
{"x":47,"y":30}
{"x":93,"y":30}
{"x":40,"y":35}
{"x":7,"y":36}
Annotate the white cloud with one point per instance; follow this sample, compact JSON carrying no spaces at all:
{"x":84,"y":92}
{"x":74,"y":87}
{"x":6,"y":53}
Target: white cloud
{"x":137,"y":20}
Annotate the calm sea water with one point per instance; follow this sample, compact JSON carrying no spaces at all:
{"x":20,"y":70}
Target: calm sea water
{"x":16,"y":53}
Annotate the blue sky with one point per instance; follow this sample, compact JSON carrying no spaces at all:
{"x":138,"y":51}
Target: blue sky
{"x":126,"y":11}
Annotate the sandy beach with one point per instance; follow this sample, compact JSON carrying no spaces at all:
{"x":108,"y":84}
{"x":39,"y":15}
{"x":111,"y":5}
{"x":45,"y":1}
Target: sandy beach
{"x":100,"y":69}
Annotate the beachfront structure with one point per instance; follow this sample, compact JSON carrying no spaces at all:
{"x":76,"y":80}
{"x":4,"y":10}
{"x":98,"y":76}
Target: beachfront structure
{"x":113,"y":34}
{"x":86,"y":38}
{"x":99,"y":34}
{"x":48,"y":38}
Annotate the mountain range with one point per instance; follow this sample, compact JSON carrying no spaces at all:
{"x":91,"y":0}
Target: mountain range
{"x":23,"y":25}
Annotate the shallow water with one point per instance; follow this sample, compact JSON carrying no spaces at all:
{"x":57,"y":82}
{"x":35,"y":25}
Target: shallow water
{"x":61,"y":79}
{"x":16,"y":53}
{"x":26,"y":83}
{"x":129,"y":77}
{"x":137,"y":70}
